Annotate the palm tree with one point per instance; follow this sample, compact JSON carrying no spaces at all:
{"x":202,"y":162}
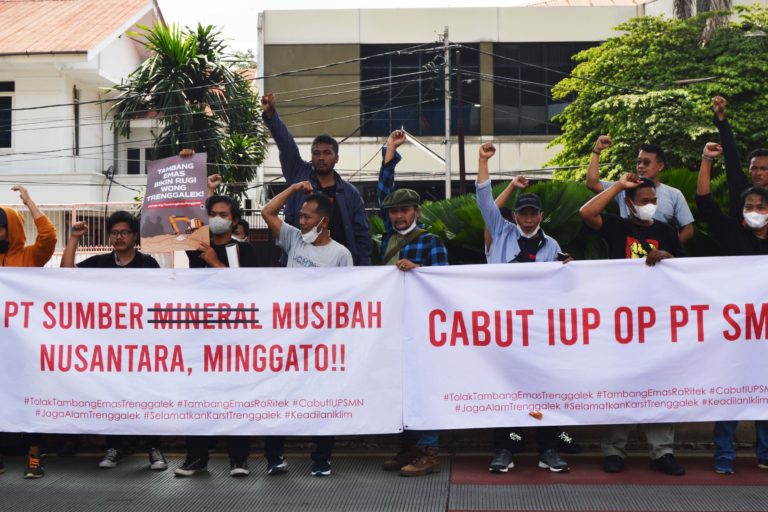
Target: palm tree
{"x":684,"y":9}
{"x":202,"y":103}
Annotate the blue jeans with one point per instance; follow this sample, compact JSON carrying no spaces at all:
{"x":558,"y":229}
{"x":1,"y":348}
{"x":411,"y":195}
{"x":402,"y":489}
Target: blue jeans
{"x":424,"y":438}
{"x":725,"y":432}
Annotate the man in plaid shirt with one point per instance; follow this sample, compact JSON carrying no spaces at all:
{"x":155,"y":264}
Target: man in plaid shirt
{"x":408,"y":246}
{"x":404,"y":243}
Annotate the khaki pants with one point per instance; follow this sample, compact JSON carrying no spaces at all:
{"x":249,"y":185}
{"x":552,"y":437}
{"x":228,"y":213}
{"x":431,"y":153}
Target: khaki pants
{"x":660,"y":437}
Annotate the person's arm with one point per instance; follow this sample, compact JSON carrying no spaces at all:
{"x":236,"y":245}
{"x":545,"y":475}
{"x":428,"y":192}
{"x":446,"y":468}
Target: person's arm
{"x":500,"y":201}
{"x":45,"y":243}
{"x":592,"y":209}
{"x":734,"y":175}
{"x":272,"y":209}
{"x":711,"y":151}
{"x":494,"y":222}
{"x":214,"y":180}
{"x":686,"y":233}
{"x":290,"y":158}
{"x":593,"y":170}
{"x":390,"y":159}
{"x":68,"y":257}
{"x":361,"y":229}
{"x":27,"y":200}
{"x":708,"y":209}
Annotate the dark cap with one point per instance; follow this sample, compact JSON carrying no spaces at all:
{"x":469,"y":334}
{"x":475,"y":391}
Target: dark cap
{"x":401,"y":197}
{"x":3,"y":219}
{"x":528,"y":201}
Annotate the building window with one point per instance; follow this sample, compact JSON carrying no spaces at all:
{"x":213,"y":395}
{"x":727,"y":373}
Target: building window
{"x":524,"y":74}
{"x":6,"y":113}
{"x":136,"y":160}
{"x":394,"y":95}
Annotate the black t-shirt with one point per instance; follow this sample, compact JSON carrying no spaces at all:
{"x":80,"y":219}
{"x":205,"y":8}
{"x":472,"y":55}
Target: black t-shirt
{"x":528,"y":248}
{"x":734,"y":238}
{"x":629,"y":240}
{"x":140,"y":260}
{"x":336,"y":221}
{"x":247,"y":255}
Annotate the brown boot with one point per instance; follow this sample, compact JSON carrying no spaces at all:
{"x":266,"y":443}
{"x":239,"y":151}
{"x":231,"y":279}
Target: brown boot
{"x":424,"y":465}
{"x":407,"y":454}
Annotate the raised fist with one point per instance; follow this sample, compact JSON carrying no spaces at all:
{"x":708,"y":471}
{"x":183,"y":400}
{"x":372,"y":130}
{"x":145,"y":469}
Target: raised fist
{"x":487,"y":151}
{"x":602,"y":143}
{"x":268,"y":104}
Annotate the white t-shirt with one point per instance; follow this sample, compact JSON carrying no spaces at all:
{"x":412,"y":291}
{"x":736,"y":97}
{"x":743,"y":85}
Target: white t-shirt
{"x":302,"y":254}
{"x":672,"y":207}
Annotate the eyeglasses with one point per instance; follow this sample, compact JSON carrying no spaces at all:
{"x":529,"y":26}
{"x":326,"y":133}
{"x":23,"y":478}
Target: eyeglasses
{"x":644,"y":161}
{"x":124,"y":233}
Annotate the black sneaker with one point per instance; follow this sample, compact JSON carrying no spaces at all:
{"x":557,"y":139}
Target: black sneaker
{"x":552,"y":461}
{"x":190,"y":467}
{"x":2,"y":466}
{"x":111,"y":459}
{"x":238,"y":469}
{"x":613,"y":464}
{"x":321,"y":468}
{"x":34,"y":467}
{"x":566,"y":444}
{"x":277,"y":466}
{"x":668,"y":465}
{"x":502,"y":462}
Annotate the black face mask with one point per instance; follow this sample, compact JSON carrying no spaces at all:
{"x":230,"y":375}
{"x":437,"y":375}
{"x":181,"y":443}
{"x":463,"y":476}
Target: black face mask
{"x":3,"y":246}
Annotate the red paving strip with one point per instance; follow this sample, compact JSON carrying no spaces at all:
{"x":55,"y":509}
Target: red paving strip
{"x":473,"y":470}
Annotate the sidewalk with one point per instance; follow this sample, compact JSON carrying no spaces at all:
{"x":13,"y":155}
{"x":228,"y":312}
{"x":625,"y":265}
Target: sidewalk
{"x":358,"y":484}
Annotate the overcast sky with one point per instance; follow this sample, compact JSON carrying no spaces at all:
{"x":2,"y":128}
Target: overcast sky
{"x":237,"y":18}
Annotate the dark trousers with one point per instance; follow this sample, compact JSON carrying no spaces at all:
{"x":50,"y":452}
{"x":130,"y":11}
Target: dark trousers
{"x":238,"y":447}
{"x":117,"y":442}
{"x":546,"y":439}
{"x":274,"y":447}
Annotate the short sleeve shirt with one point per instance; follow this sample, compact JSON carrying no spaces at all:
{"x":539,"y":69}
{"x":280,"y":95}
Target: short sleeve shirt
{"x":107,"y":260}
{"x":672,"y":207}
{"x":302,"y":254}
{"x":627,"y":240}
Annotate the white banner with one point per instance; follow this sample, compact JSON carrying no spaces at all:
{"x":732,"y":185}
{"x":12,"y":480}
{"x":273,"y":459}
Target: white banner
{"x":202,"y":351}
{"x":594,"y":342}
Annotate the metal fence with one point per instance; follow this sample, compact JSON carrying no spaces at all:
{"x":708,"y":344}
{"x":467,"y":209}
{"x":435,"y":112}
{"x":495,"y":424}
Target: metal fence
{"x":96,"y":240}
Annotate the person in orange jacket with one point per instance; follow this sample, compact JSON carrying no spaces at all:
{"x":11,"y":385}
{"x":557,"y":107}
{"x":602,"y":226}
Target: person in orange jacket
{"x":14,"y":253}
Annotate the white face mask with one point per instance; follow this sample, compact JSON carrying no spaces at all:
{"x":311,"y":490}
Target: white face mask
{"x":408,"y":229}
{"x":644,"y":213}
{"x":311,"y":235}
{"x":238,"y":238}
{"x":219,"y":226}
{"x":531,"y":234}
{"x":755,"y":220}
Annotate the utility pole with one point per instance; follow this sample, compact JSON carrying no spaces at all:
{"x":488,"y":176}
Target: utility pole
{"x":446,"y":44}
{"x":460,"y":127}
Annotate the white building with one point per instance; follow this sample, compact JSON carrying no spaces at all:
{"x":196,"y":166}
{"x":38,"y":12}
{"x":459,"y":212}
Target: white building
{"x":512,"y":54}
{"x":63,"y":53}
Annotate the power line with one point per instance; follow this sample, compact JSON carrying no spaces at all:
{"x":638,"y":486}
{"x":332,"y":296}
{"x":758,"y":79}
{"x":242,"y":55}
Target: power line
{"x":412,"y":49}
{"x":556,"y":71}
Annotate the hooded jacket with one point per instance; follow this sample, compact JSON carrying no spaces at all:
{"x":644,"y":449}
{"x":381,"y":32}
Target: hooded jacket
{"x":35,"y":255}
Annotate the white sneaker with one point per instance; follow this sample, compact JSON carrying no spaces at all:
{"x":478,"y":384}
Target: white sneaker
{"x":157,"y":460}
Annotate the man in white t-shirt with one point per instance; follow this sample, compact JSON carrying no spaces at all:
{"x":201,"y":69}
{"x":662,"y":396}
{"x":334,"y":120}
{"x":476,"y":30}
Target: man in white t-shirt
{"x":672,"y":207}
{"x":310,"y":245}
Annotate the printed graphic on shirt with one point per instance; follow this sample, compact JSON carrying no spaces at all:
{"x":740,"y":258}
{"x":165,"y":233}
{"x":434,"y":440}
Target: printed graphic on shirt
{"x":636,"y":249}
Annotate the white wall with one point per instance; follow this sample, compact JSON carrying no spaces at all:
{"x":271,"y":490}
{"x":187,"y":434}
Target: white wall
{"x":512,"y":157}
{"x":396,"y":26}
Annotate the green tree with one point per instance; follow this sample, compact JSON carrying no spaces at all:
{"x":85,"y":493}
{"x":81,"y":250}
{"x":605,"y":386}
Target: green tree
{"x":201,"y":101}
{"x":637,"y":88}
